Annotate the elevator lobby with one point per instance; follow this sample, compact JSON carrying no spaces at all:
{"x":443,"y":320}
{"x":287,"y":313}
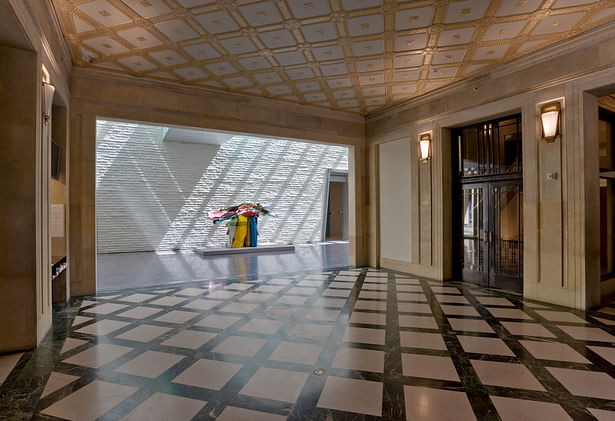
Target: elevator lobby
{"x":442,"y":174}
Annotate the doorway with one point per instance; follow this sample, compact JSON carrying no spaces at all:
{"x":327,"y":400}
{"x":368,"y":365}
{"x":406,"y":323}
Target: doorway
{"x":336,"y":207}
{"x":606,"y":137}
{"x":488,"y":198}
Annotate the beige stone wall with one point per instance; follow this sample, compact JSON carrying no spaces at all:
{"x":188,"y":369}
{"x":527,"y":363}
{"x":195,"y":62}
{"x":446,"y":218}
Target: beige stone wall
{"x":29,"y":40}
{"x":18,"y":117}
{"x":561,"y":263}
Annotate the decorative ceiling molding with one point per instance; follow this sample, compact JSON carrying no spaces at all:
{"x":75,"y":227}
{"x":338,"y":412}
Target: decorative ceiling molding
{"x":383,"y":52}
{"x":585,"y":40}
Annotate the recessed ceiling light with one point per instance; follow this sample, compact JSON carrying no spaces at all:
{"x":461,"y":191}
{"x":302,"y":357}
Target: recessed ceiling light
{"x":412,"y":19}
{"x":308,"y":5}
{"x":503,"y":31}
{"x":466,"y":11}
{"x":104,"y":13}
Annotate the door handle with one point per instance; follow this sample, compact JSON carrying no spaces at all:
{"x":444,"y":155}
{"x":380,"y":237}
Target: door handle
{"x":490,"y":237}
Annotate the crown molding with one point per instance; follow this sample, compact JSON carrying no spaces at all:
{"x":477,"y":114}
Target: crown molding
{"x":242,"y":98}
{"x":40,"y":24}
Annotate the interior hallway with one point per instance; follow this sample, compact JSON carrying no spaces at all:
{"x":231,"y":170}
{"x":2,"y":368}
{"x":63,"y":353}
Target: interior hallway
{"x":390,"y":347}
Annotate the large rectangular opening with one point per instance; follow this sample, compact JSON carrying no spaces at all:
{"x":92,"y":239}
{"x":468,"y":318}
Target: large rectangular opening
{"x":155,"y":186}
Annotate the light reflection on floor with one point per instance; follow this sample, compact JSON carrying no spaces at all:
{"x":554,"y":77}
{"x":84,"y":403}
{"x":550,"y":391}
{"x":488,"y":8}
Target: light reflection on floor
{"x":133,"y":270}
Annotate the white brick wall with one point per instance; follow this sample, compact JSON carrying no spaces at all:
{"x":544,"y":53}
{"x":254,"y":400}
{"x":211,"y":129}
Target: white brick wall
{"x":155,"y":195}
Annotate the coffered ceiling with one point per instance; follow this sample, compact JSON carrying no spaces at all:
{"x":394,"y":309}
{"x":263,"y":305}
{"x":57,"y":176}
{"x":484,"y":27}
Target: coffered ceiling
{"x":354,"y":55}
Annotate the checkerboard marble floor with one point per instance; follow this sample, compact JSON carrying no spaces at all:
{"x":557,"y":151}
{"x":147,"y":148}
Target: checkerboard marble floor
{"x":355,"y":344}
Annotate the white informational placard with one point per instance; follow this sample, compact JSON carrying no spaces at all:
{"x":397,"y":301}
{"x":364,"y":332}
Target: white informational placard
{"x":56,"y":220}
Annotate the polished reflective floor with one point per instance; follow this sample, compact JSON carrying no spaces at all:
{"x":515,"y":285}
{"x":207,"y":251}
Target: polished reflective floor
{"x":352,"y":344}
{"x":132,"y":270}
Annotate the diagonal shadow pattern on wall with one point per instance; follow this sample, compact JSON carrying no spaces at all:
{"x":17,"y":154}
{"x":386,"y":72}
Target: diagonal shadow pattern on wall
{"x":154,"y":195}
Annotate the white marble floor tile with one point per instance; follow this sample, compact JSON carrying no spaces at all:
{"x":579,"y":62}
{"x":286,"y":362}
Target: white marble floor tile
{"x":275,"y":384}
{"x":352,"y":395}
{"x":189,"y":339}
{"x":427,"y":404}
{"x":98,"y":355}
{"x":208,"y":374}
{"x":162,"y":406}
{"x":150,"y":364}
{"x":7,"y":363}
{"x":91,"y":401}
{"x":57,"y":381}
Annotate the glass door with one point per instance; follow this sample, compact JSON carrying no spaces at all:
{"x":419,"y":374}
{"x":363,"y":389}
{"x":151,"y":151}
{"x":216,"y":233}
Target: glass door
{"x":474,"y":233}
{"x":506,"y":235}
{"x":491,"y":220}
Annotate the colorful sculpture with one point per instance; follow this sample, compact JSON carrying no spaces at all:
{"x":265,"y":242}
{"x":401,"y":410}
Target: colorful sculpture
{"x":242,"y":223}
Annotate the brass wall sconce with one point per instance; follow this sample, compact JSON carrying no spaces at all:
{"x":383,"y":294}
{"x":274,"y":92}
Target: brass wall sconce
{"x":550,"y":115}
{"x":425,"y":147}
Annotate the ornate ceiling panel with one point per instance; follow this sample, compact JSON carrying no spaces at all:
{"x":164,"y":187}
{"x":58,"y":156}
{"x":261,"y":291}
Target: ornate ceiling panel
{"x":354,"y":55}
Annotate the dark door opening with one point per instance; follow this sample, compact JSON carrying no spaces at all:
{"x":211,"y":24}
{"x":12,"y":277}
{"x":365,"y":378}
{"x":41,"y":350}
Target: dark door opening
{"x":488,"y":214}
{"x":606,"y":120}
{"x":336,"y":213}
